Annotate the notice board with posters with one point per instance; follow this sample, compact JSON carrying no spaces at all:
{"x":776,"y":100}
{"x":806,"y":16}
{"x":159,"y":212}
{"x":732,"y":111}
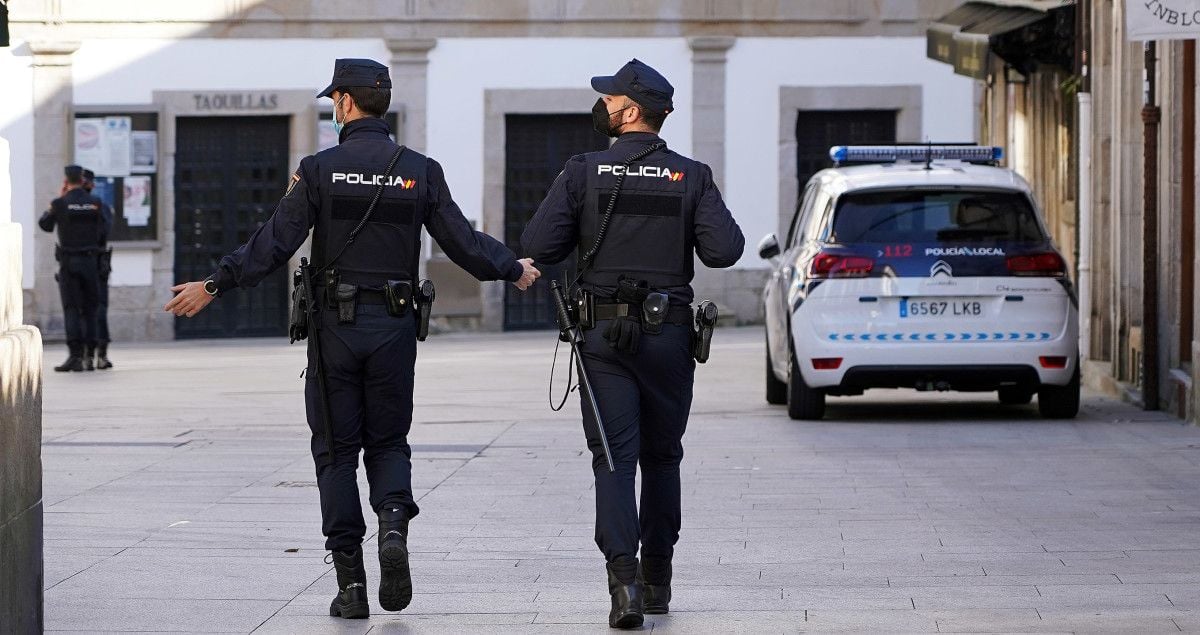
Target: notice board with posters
{"x":122,"y":149}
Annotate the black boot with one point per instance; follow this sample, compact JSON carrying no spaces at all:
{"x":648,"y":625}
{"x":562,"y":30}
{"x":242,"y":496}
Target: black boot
{"x":351,"y":600}
{"x":102,"y":362}
{"x":655,"y":574}
{"x":87,"y":358}
{"x":395,"y":579}
{"x":626,"y":593}
{"x":74,"y":361}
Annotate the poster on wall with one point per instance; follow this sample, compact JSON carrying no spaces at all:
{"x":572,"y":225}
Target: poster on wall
{"x":1162,"y":19}
{"x":137,"y":201}
{"x":104,"y":145}
{"x":145,"y":151}
{"x":105,"y":190}
{"x":89,"y":141}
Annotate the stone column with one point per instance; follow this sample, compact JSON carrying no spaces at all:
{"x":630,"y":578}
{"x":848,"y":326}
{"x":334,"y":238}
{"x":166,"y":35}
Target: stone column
{"x":708,"y":102}
{"x":410,"y":71}
{"x":53,"y":94}
{"x":20,"y":436}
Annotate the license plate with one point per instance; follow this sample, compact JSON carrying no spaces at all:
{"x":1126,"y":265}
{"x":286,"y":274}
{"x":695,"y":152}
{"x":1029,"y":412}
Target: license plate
{"x":941,"y":308}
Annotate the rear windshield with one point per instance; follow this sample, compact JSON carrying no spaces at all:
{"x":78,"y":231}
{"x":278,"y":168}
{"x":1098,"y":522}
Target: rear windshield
{"x":931,"y":216}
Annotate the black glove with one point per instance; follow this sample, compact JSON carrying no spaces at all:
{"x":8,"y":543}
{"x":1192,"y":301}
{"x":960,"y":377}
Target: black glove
{"x":623,"y":334}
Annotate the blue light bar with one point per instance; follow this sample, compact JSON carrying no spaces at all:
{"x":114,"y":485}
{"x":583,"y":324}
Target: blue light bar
{"x":915,"y":153}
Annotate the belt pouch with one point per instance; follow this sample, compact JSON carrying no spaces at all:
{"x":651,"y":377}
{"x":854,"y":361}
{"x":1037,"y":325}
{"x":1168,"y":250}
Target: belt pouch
{"x":331,"y":284}
{"x":397,"y":296}
{"x":347,"y":296}
{"x":585,"y":309}
{"x":654,"y":312}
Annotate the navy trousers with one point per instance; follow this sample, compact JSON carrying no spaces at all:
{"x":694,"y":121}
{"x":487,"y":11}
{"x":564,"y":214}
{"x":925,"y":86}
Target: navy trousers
{"x":102,"y":310}
{"x":644,"y":399}
{"x":369,"y":379}
{"x":78,"y":285}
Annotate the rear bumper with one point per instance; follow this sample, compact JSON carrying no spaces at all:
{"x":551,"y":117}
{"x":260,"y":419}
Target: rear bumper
{"x":939,"y":377}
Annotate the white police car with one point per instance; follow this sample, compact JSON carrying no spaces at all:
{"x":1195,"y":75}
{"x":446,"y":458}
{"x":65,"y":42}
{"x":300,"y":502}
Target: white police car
{"x":920,"y":267}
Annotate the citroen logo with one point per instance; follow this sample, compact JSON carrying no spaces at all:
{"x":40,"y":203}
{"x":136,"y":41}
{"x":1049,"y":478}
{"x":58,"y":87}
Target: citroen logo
{"x":941,"y":267}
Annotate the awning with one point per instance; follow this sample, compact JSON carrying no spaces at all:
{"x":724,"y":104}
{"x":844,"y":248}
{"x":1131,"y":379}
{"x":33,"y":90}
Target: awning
{"x":1022,"y":32}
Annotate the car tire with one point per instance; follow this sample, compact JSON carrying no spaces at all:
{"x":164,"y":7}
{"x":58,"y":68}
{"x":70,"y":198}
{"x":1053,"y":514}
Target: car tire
{"x":804,"y":403}
{"x":777,"y":391}
{"x":1014,"y":396}
{"x":1060,"y":402}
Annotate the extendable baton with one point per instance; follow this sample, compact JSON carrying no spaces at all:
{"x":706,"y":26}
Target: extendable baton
{"x":573,"y":335}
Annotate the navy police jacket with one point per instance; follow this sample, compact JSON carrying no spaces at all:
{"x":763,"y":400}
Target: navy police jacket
{"x":667,"y":210}
{"x":330,"y":193}
{"x":79,"y":220}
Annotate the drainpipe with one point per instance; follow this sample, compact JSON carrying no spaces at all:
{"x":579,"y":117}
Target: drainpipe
{"x":1083,"y":131}
{"x":1151,"y":115}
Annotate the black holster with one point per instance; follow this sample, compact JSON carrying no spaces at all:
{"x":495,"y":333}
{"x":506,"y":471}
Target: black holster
{"x":301,"y":301}
{"x":425,"y":296}
{"x":706,"y":321}
{"x":58,"y":253}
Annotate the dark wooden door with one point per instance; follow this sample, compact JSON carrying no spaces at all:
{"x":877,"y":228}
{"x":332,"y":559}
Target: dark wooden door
{"x":818,"y":130}
{"x":536,"y":147}
{"x":229,"y":174}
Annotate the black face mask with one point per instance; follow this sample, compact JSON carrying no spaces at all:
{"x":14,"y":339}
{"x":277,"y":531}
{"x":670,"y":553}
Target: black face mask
{"x":602,"y":119}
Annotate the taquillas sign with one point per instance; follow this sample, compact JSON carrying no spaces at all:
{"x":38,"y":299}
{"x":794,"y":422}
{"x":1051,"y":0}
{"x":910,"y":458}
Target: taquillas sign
{"x":1162,"y":19}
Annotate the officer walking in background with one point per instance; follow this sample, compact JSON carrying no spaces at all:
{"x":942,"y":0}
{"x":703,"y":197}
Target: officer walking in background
{"x":635,"y":254}
{"x":77,"y":217}
{"x":104,"y":268}
{"x":366,"y":200}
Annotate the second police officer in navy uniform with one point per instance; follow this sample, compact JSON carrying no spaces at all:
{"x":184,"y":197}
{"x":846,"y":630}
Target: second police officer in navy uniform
{"x":367,"y":340}
{"x":104,"y":268}
{"x":667,"y":209}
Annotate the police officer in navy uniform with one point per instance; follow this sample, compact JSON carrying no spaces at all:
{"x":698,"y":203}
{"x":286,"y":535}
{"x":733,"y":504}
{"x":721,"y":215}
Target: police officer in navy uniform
{"x":78,"y":219}
{"x":369,"y":361}
{"x":104,"y":268}
{"x":667,"y":209}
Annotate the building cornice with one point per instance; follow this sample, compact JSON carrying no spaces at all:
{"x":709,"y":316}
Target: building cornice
{"x":398,"y":19}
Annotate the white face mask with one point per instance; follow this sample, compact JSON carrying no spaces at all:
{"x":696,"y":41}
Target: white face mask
{"x":338,"y":125}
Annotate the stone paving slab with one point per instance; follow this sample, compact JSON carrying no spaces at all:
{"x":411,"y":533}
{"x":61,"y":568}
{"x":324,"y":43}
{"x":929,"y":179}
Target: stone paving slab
{"x":180,"y":497}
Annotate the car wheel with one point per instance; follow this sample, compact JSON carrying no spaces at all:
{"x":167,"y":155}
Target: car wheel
{"x":1014,"y":396}
{"x":803,"y":402}
{"x":777,"y":391}
{"x":1060,"y":402}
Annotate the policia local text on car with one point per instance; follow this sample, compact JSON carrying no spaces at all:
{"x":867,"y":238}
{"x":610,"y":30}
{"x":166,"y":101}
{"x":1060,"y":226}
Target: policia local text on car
{"x":358,"y":297}
{"x":635,"y":214}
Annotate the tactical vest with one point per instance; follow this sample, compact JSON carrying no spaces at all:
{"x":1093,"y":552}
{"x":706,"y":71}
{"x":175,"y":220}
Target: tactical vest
{"x":388,"y":246}
{"x":80,"y":222}
{"x":650,"y":235}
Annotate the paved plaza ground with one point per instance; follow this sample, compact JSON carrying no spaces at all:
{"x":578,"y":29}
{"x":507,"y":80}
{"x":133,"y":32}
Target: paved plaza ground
{"x":180,"y":496}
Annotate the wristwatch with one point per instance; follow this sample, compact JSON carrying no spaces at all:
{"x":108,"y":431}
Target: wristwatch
{"x":210,"y":287}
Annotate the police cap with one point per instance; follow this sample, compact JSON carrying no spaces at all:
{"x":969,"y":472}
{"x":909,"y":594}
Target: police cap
{"x":354,"y":72}
{"x":89,"y":176}
{"x":74,"y":173}
{"x":640,"y":83}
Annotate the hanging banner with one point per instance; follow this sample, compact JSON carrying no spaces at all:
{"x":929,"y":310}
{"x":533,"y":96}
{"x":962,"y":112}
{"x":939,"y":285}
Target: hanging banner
{"x":1162,"y":19}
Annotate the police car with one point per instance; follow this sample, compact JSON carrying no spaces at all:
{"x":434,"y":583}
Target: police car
{"x":922,"y":267}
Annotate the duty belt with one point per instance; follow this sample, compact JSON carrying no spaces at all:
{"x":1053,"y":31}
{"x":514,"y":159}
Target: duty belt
{"x":678,"y":314}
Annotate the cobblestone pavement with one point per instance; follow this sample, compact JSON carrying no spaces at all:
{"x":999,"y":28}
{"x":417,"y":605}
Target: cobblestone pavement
{"x":180,"y":497}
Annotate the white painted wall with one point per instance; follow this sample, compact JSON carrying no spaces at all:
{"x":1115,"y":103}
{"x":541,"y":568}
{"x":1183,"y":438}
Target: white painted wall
{"x":16,"y":127}
{"x":127,"y":71}
{"x":758,"y":67}
{"x":461,"y":69}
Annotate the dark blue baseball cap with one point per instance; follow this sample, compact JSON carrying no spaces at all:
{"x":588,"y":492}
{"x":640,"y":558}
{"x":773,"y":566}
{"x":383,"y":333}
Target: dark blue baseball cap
{"x":89,"y":176}
{"x":640,"y":83}
{"x":354,"y":72}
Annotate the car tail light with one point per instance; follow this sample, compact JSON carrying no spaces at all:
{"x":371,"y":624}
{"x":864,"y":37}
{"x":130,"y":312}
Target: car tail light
{"x":829,"y":265}
{"x":1045,"y":264}
{"x":1053,"y":362}
{"x":826,"y":363}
